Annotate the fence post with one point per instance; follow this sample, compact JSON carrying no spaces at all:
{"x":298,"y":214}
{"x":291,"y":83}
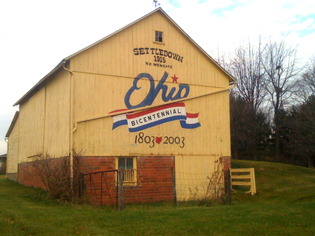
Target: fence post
{"x":121,"y":203}
{"x":253,"y":186}
{"x":81,"y":185}
{"x":227,"y":184}
{"x":174,"y":184}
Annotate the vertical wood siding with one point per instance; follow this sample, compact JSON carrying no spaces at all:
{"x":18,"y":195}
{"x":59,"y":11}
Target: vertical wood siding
{"x":57,"y":116}
{"x":32,"y":123}
{"x":104,"y":73}
{"x":13,"y":149}
{"x":115,"y":55}
{"x":44,"y":121}
{"x":195,"y":177}
{"x":212,"y":138}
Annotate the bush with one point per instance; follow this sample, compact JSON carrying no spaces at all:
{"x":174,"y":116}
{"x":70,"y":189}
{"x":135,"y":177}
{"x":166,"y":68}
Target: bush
{"x":55,"y":173}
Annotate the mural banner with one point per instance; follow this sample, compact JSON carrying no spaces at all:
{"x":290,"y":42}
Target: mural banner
{"x":137,"y":121}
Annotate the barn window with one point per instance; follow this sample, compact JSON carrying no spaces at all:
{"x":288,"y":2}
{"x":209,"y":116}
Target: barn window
{"x":129,"y":166}
{"x":159,"y":36}
{"x":125,"y":163}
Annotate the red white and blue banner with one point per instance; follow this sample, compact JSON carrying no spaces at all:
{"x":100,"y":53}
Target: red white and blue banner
{"x":138,"y":121}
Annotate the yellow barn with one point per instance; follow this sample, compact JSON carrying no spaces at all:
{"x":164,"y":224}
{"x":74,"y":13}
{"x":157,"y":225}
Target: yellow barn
{"x":145,"y":99}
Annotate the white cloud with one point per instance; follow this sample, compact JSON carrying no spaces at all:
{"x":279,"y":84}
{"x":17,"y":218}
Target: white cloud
{"x":225,"y":24}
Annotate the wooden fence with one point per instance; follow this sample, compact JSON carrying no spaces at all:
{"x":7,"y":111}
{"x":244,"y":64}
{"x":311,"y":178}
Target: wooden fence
{"x":244,"y":177}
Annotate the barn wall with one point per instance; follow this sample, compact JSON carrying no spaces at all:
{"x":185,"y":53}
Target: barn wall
{"x":44,"y":121}
{"x":211,"y":139}
{"x":154,"y":179}
{"x":32,"y":126}
{"x":104,"y":73}
{"x":29,"y":175}
{"x":115,"y":56}
{"x":57,"y":116}
{"x":199,"y":177}
{"x":32,"y":173}
{"x":13,"y":152}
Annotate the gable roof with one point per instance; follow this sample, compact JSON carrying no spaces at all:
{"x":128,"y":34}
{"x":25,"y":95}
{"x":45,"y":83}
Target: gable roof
{"x":48,"y":77}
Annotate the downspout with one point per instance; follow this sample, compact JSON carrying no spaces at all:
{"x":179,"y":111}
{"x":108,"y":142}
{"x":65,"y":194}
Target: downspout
{"x":70,"y":123}
{"x":6,"y":139}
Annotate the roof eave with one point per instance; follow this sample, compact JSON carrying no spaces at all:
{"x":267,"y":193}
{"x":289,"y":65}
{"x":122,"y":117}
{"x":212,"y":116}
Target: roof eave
{"x":16,"y":116}
{"x":40,"y":83}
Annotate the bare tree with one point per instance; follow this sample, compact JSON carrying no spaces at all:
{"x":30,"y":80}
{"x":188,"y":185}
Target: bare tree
{"x":246,"y":67}
{"x":280,"y":65}
{"x":248,"y":122}
{"x":54,"y":174}
{"x":307,"y":81}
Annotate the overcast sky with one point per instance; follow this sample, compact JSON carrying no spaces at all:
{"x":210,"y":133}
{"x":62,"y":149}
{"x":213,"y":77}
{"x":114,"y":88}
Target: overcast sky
{"x":35,"y":35}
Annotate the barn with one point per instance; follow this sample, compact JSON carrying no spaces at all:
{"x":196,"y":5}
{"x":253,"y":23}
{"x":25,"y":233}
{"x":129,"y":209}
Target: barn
{"x":146,"y":100}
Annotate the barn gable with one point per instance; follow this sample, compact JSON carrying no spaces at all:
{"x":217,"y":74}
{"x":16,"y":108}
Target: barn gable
{"x":173,"y":70}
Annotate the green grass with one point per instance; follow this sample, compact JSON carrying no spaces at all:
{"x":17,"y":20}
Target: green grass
{"x":284,"y":205}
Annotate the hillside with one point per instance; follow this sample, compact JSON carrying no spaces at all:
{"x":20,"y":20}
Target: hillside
{"x":284,"y":205}
{"x":279,"y":182}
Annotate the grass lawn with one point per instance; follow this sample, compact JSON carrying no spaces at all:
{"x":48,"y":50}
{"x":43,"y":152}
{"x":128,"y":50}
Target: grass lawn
{"x":284,"y":205}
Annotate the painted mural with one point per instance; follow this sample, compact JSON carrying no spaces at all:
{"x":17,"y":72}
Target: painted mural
{"x":138,"y":121}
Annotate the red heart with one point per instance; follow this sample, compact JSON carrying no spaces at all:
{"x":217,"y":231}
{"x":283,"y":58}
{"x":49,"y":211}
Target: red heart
{"x":158,"y":140}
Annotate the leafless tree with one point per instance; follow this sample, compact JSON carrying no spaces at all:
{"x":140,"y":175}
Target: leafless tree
{"x":55,"y":176}
{"x":307,"y":81}
{"x":248,"y":122}
{"x":279,"y":62}
{"x":246,"y":67}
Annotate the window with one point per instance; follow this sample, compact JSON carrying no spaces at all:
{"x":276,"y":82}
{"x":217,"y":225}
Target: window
{"x":128,"y":165}
{"x":125,"y":163}
{"x":159,"y":36}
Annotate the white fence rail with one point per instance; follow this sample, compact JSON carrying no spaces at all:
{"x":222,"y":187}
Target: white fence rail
{"x":244,"y":177}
